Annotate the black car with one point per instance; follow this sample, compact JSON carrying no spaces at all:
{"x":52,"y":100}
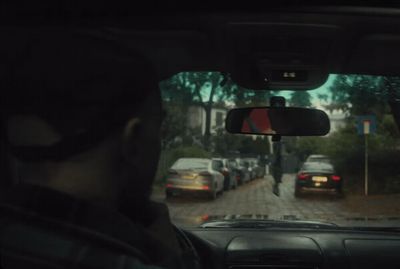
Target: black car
{"x":318,"y":159}
{"x":317,"y":177}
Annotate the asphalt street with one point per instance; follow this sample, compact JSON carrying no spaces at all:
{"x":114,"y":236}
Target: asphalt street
{"x":255,"y":200}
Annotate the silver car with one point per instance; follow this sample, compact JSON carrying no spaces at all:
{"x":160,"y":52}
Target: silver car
{"x":195,"y":175}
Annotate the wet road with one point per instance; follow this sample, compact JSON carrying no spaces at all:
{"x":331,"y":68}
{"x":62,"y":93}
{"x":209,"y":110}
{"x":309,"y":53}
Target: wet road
{"x":255,"y":200}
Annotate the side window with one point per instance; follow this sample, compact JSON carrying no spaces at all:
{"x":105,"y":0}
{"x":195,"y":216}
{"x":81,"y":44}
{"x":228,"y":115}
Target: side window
{"x":217,"y":165}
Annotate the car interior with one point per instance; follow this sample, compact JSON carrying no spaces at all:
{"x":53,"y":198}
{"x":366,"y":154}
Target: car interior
{"x":284,"y":47}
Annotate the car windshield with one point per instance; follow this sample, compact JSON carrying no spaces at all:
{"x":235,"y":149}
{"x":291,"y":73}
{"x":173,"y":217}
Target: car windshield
{"x":187,"y":163}
{"x":316,"y":166}
{"x":363,"y":147}
{"x":318,"y":159}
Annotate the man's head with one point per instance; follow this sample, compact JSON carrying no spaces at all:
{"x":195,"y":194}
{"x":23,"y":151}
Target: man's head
{"x":82,"y":115}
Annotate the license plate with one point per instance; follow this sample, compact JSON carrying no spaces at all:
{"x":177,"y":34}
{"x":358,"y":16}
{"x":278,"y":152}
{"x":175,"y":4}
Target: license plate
{"x":319,"y":179}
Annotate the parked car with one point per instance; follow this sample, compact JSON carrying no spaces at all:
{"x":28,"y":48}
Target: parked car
{"x":243,"y":172}
{"x":250,"y":164}
{"x":236,"y":172}
{"x":255,"y":168}
{"x":318,"y":159}
{"x":260,"y":169}
{"x":248,"y":168}
{"x":195,"y":175}
{"x":230,"y":173}
{"x":317,"y":176}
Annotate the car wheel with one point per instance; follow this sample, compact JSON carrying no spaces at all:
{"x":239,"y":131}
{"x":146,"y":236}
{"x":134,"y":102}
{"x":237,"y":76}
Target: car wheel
{"x":168,"y":194}
{"x":297,"y":192}
{"x":221,"y":191}
{"x":234,"y":185}
{"x":226,"y":187}
{"x":213,"y":195}
{"x":339,"y":193}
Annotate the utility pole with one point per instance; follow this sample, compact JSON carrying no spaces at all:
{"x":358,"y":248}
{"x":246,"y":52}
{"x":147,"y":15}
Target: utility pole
{"x":366,"y":133}
{"x":366,"y":125}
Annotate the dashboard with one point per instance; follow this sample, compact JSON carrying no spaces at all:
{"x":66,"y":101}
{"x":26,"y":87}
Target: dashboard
{"x":301,"y":249}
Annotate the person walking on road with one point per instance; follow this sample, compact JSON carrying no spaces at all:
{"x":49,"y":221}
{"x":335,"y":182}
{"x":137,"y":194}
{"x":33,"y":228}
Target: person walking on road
{"x":277,"y":167}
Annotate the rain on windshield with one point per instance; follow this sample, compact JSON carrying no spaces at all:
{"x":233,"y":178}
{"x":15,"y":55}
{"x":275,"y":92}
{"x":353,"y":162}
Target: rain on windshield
{"x":247,"y":168}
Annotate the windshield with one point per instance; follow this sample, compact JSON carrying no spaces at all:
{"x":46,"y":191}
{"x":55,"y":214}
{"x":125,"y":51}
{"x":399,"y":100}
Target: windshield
{"x":316,"y":166}
{"x":363,"y":132}
{"x":318,"y":159}
{"x":187,"y":163}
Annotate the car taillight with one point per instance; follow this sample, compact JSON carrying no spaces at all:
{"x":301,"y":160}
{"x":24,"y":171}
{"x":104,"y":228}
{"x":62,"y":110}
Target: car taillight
{"x":205,"y":178}
{"x":302,"y":176}
{"x":335,"y":178}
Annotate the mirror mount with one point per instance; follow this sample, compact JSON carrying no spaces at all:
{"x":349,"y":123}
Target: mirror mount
{"x":277,"y":101}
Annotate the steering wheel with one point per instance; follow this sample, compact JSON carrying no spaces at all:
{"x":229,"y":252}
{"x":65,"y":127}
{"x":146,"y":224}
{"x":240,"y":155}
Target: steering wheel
{"x":190,"y":255}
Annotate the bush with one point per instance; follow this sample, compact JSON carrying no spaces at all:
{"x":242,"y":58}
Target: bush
{"x":383,"y":169}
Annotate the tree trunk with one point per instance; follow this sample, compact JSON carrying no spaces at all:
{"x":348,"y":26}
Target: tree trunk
{"x":208,"y":110}
{"x":207,"y":132}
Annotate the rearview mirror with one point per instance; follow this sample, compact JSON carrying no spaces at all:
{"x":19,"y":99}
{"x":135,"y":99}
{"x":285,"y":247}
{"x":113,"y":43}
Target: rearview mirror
{"x":285,"y":121}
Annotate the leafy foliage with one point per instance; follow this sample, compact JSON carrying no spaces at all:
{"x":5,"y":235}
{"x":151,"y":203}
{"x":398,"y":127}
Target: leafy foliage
{"x":358,"y":95}
{"x":196,"y":88}
{"x":300,"y":99}
{"x":207,"y":90}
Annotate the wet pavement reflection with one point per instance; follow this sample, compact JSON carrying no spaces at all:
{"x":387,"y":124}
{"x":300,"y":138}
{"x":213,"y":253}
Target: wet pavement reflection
{"x":255,"y":200}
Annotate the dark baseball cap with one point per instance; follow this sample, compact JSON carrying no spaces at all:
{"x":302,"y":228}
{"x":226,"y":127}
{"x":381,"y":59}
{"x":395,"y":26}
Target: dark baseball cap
{"x":85,"y":83}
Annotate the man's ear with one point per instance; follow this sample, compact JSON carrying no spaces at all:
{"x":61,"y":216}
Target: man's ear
{"x":131,"y":139}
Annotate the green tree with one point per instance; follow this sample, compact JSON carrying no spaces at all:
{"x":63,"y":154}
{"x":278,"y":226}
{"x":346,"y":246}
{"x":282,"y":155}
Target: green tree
{"x":197,"y":88}
{"x":300,"y":99}
{"x":207,"y":90}
{"x":358,"y":95}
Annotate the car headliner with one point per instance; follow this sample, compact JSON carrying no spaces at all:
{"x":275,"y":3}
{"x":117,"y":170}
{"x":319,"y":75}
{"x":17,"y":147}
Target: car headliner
{"x":362,"y":40}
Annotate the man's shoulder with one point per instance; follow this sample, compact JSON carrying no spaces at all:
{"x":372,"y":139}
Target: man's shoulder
{"x":32,"y":244}
{"x":32,"y":234}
